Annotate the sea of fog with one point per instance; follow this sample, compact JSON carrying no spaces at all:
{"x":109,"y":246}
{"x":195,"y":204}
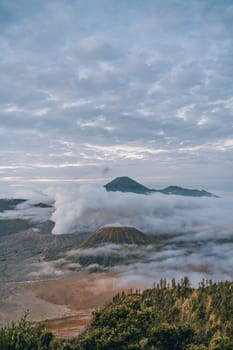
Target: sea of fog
{"x":197,"y":232}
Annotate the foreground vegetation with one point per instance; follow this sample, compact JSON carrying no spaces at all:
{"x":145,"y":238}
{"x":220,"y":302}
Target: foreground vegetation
{"x":166,"y":317}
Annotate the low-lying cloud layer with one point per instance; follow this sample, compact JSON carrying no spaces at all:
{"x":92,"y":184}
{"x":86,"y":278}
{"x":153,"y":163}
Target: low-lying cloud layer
{"x":192,"y":219}
{"x":196,"y":233}
{"x":209,"y":260}
{"x":31,"y":209}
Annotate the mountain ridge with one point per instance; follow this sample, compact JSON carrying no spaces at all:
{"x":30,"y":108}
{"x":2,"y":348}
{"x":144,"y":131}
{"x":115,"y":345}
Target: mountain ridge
{"x":126,"y":184}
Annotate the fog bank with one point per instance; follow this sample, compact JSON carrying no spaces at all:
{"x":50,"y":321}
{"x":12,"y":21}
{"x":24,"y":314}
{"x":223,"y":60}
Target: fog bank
{"x":89,"y":208}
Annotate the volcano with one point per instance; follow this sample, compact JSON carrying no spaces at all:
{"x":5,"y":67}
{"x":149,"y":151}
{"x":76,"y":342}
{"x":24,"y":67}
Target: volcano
{"x":126,"y":184}
{"x":117,"y":235}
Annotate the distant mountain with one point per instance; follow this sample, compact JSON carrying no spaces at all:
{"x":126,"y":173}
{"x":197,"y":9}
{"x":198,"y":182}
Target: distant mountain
{"x":9,"y":204}
{"x":126,"y":184}
{"x":42,"y":205}
{"x":186,"y":192}
{"x":117,"y":235}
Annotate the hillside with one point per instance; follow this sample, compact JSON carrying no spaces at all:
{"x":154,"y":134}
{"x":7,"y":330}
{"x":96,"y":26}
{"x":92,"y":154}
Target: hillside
{"x":117,"y":235}
{"x":167,"y":317}
{"x":126,"y":184}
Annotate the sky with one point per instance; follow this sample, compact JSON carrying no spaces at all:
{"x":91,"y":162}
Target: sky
{"x":94,"y":89}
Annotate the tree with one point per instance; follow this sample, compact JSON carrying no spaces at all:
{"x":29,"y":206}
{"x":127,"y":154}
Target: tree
{"x":166,"y":337}
{"x":221,"y":343}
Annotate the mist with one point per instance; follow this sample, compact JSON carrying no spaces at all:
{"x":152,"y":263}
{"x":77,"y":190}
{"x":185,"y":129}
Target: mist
{"x":209,"y":260}
{"x":188,"y":218}
{"x":195,"y":234}
{"x":28,"y":210}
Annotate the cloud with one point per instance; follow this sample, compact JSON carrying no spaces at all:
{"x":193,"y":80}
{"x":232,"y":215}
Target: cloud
{"x":209,"y":260}
{"x":190,"y":219}
{"x":108,"y":75}
{"x":28,"y":210}
{"x":195,"y":235}
{"x":94,"y":48}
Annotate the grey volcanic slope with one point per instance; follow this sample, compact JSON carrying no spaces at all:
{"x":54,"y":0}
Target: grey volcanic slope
{"x":126,"y":184}
{"x":117,"y":235}
{"x":111,"y":246}
{"x":11,"y":226}
{"x":19,"y":251}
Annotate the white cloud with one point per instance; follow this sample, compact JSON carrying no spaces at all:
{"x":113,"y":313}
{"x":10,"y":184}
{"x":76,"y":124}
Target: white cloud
{"x":184,"y":111}
{"x":202,"y":121}
{"x":129,"y":64}
{"x":193,"y":219}
{"x":124,"y":151}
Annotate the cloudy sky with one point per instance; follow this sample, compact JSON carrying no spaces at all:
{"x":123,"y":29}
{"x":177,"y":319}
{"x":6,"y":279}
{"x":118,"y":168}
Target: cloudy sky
{"x":95,"y":89}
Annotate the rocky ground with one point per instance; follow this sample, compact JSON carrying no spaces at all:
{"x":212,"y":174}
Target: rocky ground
{"x":22,"y":254}
{"x":31,"y":281}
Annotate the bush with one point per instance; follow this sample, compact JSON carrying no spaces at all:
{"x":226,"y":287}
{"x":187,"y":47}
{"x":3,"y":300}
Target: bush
{"x":23,"y":336}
